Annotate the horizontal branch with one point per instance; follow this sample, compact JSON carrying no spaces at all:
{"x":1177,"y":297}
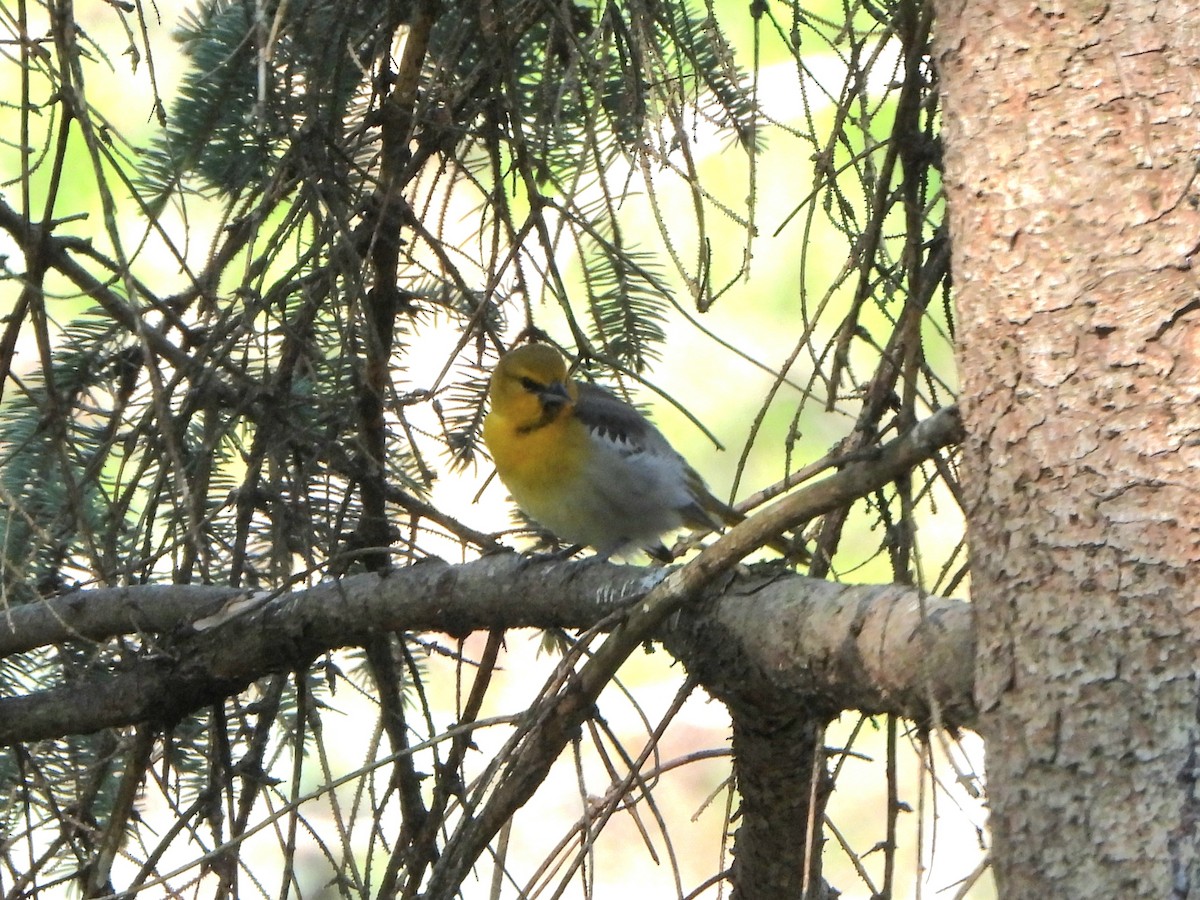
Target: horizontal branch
{"x":104,"y":613}
{"x":796,"y":640}
{"x":871,"y":648}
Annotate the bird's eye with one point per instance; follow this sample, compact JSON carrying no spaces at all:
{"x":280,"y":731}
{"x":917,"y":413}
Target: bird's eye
{"x":530,"y":385}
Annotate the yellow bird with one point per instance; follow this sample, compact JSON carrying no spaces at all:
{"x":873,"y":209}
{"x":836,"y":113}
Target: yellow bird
{"x":585,"y":464}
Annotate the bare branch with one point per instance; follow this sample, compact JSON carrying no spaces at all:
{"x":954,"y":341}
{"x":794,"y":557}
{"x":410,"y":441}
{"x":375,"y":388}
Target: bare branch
{"x":792,"y":629}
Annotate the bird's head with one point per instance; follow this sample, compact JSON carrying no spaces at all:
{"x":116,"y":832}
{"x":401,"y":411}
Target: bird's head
{"x":530,"y":385}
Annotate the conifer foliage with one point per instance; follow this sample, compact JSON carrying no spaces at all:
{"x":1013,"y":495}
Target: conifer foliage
{"x":221,"y":294}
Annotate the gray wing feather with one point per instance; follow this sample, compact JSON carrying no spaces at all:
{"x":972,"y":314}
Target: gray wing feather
{"x":667,"y":475}
{"x":610,"y":417}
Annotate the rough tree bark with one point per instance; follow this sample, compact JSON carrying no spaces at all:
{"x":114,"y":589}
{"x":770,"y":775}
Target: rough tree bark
{"x":1071,"y":134}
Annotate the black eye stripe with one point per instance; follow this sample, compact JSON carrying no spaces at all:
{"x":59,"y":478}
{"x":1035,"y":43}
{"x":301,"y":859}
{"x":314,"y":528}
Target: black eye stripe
{"x":530,"y":385}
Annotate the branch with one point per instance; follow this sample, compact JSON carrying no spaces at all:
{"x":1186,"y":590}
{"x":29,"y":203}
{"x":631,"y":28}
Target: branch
{"x":57,"y":256}
{"x":871,"y":470}
{"x":862,"y":647}
{"x":108,"y":612}
{"x":798,"y":642}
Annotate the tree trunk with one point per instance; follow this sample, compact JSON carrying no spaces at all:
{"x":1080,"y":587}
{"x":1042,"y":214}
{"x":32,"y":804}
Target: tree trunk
{"x":1071,"y":136}
{"x":783,"y":784}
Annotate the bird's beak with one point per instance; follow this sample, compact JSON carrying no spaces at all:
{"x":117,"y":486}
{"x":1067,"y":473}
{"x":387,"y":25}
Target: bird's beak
{"x":554,"y":396}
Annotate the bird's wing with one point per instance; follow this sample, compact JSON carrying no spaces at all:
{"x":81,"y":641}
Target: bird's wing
{"x":611,"y":419}
{"x":622,"y":428}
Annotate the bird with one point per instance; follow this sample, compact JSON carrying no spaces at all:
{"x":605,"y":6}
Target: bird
{"x":586,"y":465}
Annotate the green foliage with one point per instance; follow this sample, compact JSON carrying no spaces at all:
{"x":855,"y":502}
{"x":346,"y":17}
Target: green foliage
{"x":699,"y":53}
{"x":260,"y":78}
{"x":53,"y":441}
{"x":628,"y":304}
